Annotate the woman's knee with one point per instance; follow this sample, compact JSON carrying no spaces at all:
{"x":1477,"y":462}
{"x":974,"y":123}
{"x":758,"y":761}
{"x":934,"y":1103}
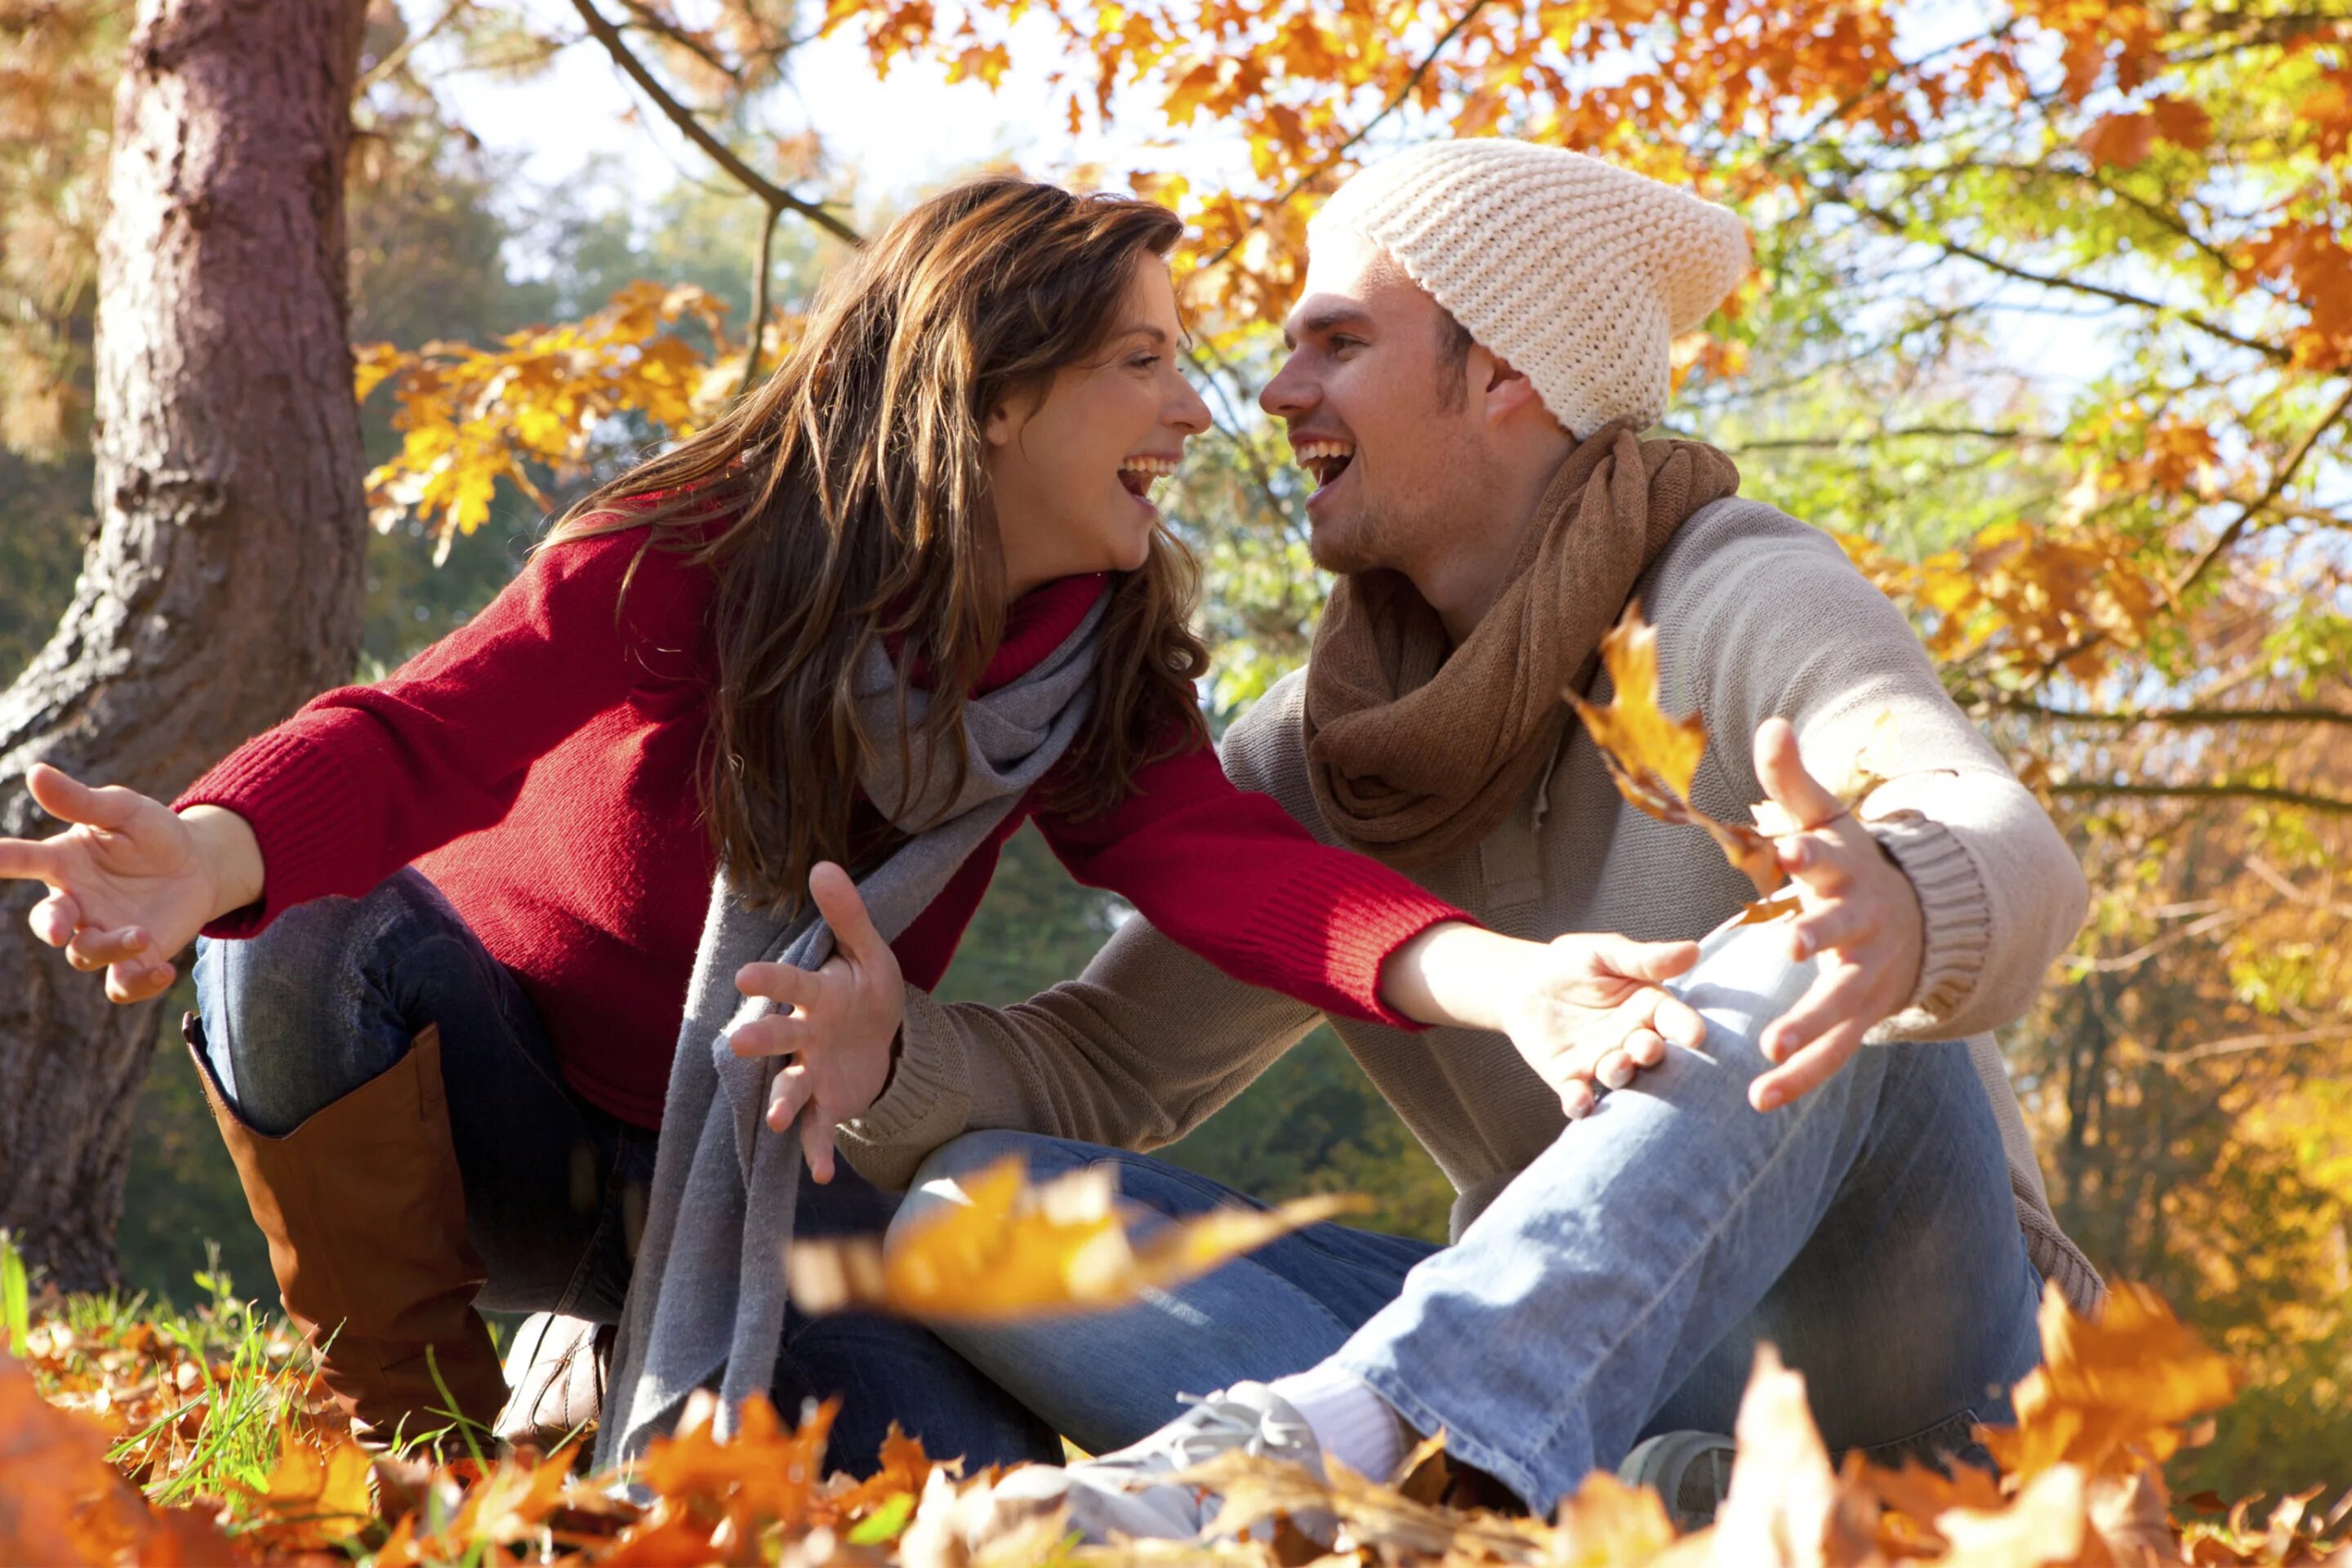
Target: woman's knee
{"x":293,"y":1017}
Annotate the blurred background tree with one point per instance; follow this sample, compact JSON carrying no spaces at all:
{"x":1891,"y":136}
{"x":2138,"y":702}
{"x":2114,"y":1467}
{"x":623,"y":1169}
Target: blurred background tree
{"x":2051,"y":325}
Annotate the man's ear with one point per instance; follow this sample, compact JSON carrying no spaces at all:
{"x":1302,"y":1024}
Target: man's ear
{"x":1507,"y":390}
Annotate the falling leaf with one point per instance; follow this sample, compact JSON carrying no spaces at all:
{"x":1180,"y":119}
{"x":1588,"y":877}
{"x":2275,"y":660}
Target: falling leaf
{"x":2109,"y":1395}
{"x":1787,"y":1509}
{"x":1012,"y":1250}
{"x":1652,"y":759}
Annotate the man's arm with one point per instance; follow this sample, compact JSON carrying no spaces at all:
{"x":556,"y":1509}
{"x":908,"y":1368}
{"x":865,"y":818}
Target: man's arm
{"x":1780,"y":623}
{"x":1133,"y":1054}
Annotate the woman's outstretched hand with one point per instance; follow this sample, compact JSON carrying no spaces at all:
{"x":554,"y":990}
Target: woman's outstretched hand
{"x":841,"y":1021}
{"x":1584,"y":1010}
{"x":131,"y":881}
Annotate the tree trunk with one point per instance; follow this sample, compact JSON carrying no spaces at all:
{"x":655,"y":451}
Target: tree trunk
{"x":223,"y":582}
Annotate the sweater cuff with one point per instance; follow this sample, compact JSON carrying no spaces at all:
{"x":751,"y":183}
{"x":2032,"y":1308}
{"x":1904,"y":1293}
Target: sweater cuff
{"x":929,"y":1100}
{"x":1956,"y":909}
{"x":279,"y":783}
{"x":1363,"y":921}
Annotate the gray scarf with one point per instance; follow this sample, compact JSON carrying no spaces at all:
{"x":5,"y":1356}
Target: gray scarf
{"x":706,"y":1298}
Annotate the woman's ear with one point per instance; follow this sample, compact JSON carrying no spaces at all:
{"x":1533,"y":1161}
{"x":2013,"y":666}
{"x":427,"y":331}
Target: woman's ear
{"x":1005,"y":420}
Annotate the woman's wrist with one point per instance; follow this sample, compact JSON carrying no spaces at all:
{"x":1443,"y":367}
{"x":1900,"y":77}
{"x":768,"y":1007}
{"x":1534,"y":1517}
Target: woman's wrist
{"x":1453,"y":973}
{"x":226,"y":848}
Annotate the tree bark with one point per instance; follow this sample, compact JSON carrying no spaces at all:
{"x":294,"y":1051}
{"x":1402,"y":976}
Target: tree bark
{"x":223,"y":581}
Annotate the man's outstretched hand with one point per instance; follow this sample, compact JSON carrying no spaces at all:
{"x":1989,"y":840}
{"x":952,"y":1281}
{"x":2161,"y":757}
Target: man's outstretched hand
{"x":839,"y":1021}
{"x":1858,"y":914}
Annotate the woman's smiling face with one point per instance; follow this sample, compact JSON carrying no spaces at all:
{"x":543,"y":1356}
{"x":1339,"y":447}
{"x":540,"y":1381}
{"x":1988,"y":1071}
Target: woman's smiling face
{"x":1071,"y":470}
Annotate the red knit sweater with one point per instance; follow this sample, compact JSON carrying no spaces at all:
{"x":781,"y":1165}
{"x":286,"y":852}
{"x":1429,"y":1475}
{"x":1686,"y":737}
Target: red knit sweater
{"x":539,"y":766}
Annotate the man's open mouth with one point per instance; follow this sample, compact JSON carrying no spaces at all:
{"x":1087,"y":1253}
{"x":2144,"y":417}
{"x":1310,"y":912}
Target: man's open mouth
{"x":1136,"y":474}
{"x":1327,"y":460}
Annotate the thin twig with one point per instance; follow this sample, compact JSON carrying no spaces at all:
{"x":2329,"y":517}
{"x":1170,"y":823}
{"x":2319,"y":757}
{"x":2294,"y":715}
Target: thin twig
{"x":1912,"y":431}
{"x":759,"y":305}
{"x":678,"y":115}
{"x":1395,"y":103}
{"x":382,"y":71}
{"x":2229,"y":535}
{"x":2237,"y":1043}
{"x":2131,"y":717}
{"x":2225,"y":791}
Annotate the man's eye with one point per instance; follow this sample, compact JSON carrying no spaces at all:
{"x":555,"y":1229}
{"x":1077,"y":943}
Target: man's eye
{"x":1339,"y":343}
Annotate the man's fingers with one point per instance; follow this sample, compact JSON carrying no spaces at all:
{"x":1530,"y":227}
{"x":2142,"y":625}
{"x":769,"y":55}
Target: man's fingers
{"x":1782,"y":774}
{"x":71,"y":800}
{"x":787,"y":986}
{"x":1835,"y":997}
{"x":1808,"y":1070}
{"x":1647,"y":1048}
{"x":1616,"y":1069}
{"x":816,"y":1143}
{"x":777,"y":1034}
{"x":1576,"y":1100}
{"x":1837,"y":925}
{"x":53,"y":920}
{"x":791,"y":1091}
{"x":853,"y":929}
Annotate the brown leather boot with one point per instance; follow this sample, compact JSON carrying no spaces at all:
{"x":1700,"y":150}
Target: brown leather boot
{"x":365,"y":1214}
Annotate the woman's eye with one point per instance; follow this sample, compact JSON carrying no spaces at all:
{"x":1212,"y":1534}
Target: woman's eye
{"x":1143,"y":361}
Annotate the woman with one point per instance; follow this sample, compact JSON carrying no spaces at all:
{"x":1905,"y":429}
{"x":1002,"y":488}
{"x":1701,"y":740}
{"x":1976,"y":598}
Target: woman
{"x":452,"y":919}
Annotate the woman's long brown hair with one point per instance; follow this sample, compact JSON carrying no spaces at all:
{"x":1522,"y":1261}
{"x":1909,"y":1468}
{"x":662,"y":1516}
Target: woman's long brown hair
{"x":846,"y":501}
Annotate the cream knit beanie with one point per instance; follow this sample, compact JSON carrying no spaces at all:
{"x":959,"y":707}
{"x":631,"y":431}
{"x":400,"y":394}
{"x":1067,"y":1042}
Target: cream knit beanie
{"x":1576,"y":272}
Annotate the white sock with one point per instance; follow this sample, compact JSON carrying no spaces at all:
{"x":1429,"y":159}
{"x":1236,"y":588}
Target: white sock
{"x":1351,"y":1422}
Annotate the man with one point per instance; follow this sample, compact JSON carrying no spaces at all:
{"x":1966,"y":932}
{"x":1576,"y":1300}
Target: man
{"x":1484,"y":326}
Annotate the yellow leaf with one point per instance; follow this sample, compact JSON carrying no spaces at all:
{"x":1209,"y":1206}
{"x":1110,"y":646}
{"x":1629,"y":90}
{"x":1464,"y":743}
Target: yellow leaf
{"x":315,"y":1495}
{"x":2112,"y":1394}
{"x":1014,"y":1250}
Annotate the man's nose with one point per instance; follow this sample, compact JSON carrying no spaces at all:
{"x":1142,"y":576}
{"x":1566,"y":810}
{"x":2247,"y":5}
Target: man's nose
{"x":1289,"y":395}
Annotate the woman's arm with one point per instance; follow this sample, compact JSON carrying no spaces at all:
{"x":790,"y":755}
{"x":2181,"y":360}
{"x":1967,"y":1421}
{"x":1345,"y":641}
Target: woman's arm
{"x":364,"y":779}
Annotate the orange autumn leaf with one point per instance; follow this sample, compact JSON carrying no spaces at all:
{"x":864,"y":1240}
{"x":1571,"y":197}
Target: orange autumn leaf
{"x":1013,"y":1250}
{"x":317,"y":1494}
{"x":2110,"y":1395}
{"x":2124,"y":141}
{"x":1653,"y":758}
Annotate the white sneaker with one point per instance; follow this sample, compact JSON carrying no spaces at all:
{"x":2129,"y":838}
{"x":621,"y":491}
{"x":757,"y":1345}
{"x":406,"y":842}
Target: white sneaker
{"x":1125,"y":1493}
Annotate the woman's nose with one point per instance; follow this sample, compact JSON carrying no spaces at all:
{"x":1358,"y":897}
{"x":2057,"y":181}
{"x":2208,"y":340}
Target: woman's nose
{"x":1190,"y":413}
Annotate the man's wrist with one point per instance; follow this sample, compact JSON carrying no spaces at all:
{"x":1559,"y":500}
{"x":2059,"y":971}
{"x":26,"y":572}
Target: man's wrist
{"x":225,"y":847}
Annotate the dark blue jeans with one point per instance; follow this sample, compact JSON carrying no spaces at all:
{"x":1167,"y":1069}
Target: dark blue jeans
{"x":332,"y":993}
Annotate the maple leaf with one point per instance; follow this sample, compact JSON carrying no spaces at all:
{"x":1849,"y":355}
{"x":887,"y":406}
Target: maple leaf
{"x":317,"y":1494}
{"x":1014,"y":1250}
{"x":1786,"y":1508}
{"x":1652,"y":759}
{"x":2109,"y":1395}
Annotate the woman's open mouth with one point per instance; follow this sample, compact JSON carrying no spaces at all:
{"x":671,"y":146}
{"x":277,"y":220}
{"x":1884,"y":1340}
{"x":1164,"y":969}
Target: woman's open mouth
{"x":1137,"y":475}
{"x":1327,"y":460}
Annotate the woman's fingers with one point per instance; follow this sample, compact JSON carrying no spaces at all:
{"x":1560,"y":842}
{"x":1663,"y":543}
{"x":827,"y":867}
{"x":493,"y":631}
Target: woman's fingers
{"x":54,"y":918}
{"x":69,"y":799}
{"x":91,"y":949}
{"x":139,"y":982}
{"x":1576,"y":1100}
{"x":790,"y":1091}
{"x":30,"y":859}
{"x":1649,"y":960}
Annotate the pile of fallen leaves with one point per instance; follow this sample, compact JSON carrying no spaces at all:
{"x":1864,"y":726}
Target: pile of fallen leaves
{"x":124,"y":1442}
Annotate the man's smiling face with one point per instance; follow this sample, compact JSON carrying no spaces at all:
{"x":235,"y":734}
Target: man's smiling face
{"x":1378,"y":396}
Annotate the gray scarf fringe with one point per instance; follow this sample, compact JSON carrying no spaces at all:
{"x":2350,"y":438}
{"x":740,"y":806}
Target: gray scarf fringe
{"x":706,"y":1298}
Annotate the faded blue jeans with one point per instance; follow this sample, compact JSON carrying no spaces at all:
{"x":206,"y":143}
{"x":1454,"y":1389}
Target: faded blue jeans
{"x":331,"y":994}
{"x":1619,"y":1286}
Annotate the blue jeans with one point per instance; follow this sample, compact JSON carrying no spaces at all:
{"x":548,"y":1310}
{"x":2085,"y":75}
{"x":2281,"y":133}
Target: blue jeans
{"x":332,"y":993}
{"x":1619,"y":1286}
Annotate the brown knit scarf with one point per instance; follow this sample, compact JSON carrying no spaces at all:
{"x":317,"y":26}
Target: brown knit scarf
{"x":1416,"y":754}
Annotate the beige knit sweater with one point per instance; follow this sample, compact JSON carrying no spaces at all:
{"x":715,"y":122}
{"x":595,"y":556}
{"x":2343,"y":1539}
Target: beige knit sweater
{"x":1757,"y":614}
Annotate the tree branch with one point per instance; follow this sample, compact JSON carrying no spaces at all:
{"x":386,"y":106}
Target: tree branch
{"x":1895,"y":225}
{"x":759,"y":306}
{"x":2130,"y":717}
{"x":777,"y":198}
{"x":2272,"y":792}
{"x":1395,"y":103}
{"x":1911,"y":432}
{"x":2229,"y":535}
